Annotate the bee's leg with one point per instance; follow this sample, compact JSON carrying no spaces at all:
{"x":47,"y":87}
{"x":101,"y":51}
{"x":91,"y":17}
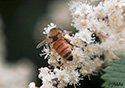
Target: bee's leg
{"x":67,"y":32}
{"x":53,"y":55}
{"x":49,"y":47}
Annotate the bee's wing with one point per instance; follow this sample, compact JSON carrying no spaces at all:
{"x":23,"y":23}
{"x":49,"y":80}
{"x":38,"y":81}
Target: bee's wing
{"x":42,"y":43}
{"x":67,"y":32}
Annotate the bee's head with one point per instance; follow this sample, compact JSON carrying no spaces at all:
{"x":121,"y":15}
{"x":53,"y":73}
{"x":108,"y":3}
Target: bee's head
{"x":55,"y":33}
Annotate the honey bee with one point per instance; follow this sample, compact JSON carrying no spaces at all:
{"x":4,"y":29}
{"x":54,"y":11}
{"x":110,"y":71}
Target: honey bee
{"x":55,"y":39}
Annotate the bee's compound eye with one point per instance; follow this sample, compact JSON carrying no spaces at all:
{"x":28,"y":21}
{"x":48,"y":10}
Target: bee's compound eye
{"x":49,"y":37}
{"x":55,"y":38}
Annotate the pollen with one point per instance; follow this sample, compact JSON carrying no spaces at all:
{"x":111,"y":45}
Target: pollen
{"x":84,"y":23}
{"x":77,"y":41}
{"x":121,"y":41}
{"x":69,"y":69}
{"x":87,"y":68}
{"x":115,"y":18}
{"x":93,"y":48}
{"x":84,"y":36}
{"x":102,"y":27}
{"x":74,"y":78}
{"x":100,"y":15}
{"x":76,"y":54}
{"x":84,"y":9}
{"x":77,"y":15}
{"x":88,"y":49}
{"x":118,"y":0}
{"x":86,"y":58}
{"x":111,"y":8}
{"x":113,"y":32}
{"x":93,"y":24}
{"x":61,"y":75}
{"x":40,"y":77}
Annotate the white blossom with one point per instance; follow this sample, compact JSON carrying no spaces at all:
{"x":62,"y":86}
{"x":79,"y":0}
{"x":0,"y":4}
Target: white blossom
{"x":47,"y":29}
{"x":101,"y":30}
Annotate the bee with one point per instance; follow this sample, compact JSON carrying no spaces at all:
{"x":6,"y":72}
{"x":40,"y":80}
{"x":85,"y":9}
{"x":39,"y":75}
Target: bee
{"x":55,"y":39}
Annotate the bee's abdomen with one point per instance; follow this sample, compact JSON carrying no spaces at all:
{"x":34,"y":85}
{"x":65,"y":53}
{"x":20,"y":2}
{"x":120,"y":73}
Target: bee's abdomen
{"x":63,"y":49}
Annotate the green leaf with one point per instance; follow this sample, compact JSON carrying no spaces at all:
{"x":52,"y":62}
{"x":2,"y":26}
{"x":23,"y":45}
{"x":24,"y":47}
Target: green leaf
{"x":120,"y":53}
{"x":115,"y":73}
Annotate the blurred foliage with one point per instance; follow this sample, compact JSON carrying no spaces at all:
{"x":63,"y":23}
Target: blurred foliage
{"x":20,"y":17}
{"x":115,"y":74}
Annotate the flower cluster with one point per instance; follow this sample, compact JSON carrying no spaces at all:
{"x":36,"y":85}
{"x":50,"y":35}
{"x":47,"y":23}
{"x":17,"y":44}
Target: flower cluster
{"x":100,"y":31}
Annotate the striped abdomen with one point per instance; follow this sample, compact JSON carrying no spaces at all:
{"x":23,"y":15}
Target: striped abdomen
{"x":63,"y":49}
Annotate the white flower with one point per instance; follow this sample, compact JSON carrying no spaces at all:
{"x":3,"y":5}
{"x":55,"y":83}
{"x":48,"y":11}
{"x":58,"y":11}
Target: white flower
{"x":78,"y":53}
{"x":51,"y":26}
{"x":62,"y":76}
{"x":101,"y":30}
{"x":32,"y":85}
{"x":85,"y":36}
{"x":46,"y":76}
{"x":76,"y":41}
{"x":45,"y":52}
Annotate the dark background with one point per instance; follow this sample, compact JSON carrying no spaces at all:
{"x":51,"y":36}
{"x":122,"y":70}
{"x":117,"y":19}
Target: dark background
{"x":20,"y":18}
